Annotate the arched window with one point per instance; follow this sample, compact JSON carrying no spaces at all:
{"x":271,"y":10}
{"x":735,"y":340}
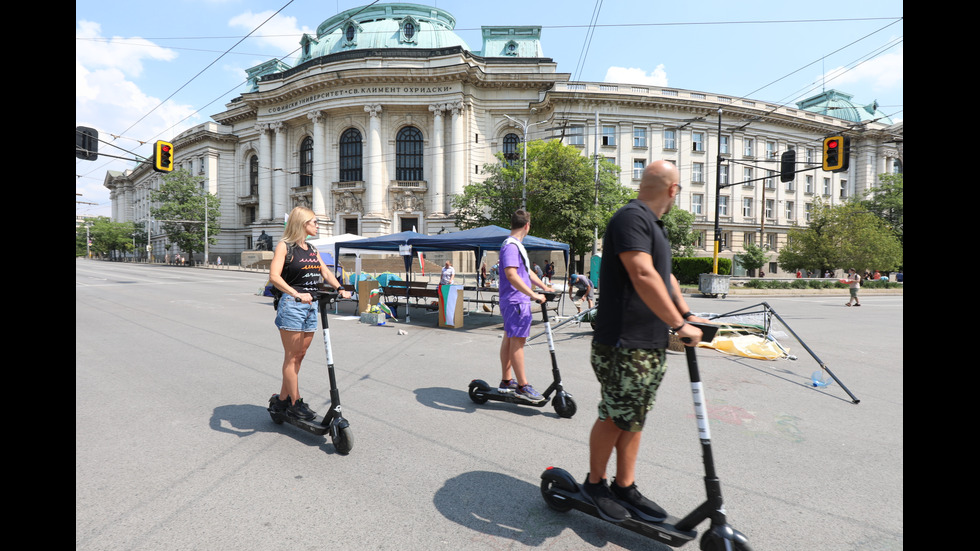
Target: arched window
{"x":408,"y":154}
{"x":510,"y":147}
{"x":253,"y":175}
{"x":350,"y":156}
{"x":306,"y":162}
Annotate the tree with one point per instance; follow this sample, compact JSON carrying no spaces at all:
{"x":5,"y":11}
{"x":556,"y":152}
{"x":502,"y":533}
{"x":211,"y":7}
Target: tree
{"x":108,"y":238}
{"x":181,"y":211}
{"x":887,"y":202}
{"x":679,"y":224}
{"x":842,"y":236}
{"x":753,"y":258}
{"x":561,"y":194}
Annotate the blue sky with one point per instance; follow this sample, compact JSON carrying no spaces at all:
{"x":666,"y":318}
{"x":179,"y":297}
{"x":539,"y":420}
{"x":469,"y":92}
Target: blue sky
{"x":149,"y":70}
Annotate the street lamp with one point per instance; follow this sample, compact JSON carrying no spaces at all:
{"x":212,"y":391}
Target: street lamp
{"x":524,"y":125}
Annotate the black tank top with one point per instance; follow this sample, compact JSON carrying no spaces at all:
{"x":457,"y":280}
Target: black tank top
{"x":302,"y":272}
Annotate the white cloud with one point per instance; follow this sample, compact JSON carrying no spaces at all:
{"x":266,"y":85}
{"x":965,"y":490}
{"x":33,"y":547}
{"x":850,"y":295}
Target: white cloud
{"x":884,"y":72}
{"x":280,"y":32}
{"x":109,"y":98}
{"x":125,"y":54}
{"x":634,"y":75}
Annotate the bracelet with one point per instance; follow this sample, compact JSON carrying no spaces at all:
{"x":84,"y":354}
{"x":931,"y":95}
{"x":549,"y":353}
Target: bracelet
{"x":678,"y":328}
{"x":688,"y":314}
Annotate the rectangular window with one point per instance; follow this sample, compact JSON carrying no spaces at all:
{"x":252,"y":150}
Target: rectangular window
{"x":575,"y":135}
{"x":807,"y":210}
{"x":809,"y":184}
{"x":724,"y":175}
{"x":747,"y":176}
{"x":770,"y":206}
{"x":826,"y":186}
{"x":697,"y":141}
{"x":747,"y":207}
{"x":770,"y":181}
{"x":748,"y":145}
{"x":670,"y":139}
{"x":639,"y":136}
{"x":843,"y":189}
{"x":723,"y":205}
{"x":697,"y":173}
{"x":608,"y":135}
{"x":748,"y":238}
{"x":697,"y":204}
{"x":350,"y":226}
{"x":770,"y":150}
{"x":790,"y":207}
{"x":638,"y":166}
{"x":723,"y":144}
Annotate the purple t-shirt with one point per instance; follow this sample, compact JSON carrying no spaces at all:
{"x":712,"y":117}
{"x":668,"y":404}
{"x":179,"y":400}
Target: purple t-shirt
{"x":510,"y":257}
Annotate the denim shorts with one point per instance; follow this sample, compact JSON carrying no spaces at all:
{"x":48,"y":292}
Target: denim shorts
{"x":296,"y":316}
{"x":517,"y":318}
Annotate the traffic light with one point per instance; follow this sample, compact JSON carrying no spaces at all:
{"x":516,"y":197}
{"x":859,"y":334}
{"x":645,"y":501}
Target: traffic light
{"x":163,"y":156}
{"x":836,"y":153}
{"x":787,"y":166}
{"x":86,"y":143}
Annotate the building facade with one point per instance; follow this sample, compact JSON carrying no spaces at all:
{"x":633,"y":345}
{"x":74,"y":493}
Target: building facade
{"x":388,"y":114}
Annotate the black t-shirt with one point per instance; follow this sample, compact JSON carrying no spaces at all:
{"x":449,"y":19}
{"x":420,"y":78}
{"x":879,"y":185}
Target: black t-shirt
{"x":623,"y":319}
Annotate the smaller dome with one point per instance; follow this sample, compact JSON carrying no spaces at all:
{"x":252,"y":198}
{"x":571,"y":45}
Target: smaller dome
{"x":838,"y":104}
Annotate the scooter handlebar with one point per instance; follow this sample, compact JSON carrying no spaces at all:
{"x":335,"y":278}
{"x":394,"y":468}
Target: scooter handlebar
{"x":707,"y":332}
{"x":328,"y":296}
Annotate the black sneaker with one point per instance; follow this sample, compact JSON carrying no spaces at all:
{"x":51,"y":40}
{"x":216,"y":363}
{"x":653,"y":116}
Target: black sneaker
{"x":636,"y":504}
{"x":300,"y":410}
{"x":276,"y":405}
{"x":604,"y":501}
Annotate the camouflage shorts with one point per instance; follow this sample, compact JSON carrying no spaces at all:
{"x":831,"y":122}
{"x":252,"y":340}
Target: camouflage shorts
{"x":630,"y":378}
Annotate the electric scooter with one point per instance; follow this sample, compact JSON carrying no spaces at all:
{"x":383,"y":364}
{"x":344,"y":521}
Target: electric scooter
{"x":562,"y":493}
{"x":333,"y":422}
{"x":563,"y":403}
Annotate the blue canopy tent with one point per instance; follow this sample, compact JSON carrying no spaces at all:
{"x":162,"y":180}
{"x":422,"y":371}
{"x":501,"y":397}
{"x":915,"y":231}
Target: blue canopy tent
{"x":479,"y":240}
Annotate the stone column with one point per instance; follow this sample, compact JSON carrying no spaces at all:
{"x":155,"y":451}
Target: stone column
{"x":374,"y":187}
{"x":320,"y":191}
{"x":458,"y":141}
{"x":437,"y":192}
{"x":280,"y":195}
{"x":265,"y":173}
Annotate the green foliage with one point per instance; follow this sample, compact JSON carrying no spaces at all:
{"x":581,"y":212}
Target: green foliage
{"x":887,"y":201}
{"x":561,"y":194}
{"x":688,"y":270}
{"x":842,"y":236}
{"x":753,"y":258}
{"x":679,"y":224}
{"x":108,"y":237}
{"x":816,"y":284}
{"x":181,"y":211}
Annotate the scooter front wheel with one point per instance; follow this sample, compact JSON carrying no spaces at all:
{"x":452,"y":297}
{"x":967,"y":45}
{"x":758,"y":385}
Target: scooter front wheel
{"x":716,"y":539}
{"x":564,"y":406}
{"x":344,"y":442}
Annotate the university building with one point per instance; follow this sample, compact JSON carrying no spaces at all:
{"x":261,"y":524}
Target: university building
{"x":388,"y":114}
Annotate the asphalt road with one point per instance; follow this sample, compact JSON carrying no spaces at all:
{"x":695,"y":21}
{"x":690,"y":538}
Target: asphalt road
{"x":174,"y":448}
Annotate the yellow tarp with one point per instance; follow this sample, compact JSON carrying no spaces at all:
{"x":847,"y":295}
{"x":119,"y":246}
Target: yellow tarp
{"x":750,"y":346}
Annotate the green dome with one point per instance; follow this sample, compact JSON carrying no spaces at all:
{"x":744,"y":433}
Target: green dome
{"x":838,"y":104}
{"x":383,"y":26}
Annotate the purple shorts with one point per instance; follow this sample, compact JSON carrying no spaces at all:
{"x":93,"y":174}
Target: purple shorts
{"x":517,"y":318}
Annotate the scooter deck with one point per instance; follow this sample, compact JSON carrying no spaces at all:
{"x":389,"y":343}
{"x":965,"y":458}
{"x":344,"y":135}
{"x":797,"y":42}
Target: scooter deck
{"x":510,"y":397}
{"x":563,"y":499}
